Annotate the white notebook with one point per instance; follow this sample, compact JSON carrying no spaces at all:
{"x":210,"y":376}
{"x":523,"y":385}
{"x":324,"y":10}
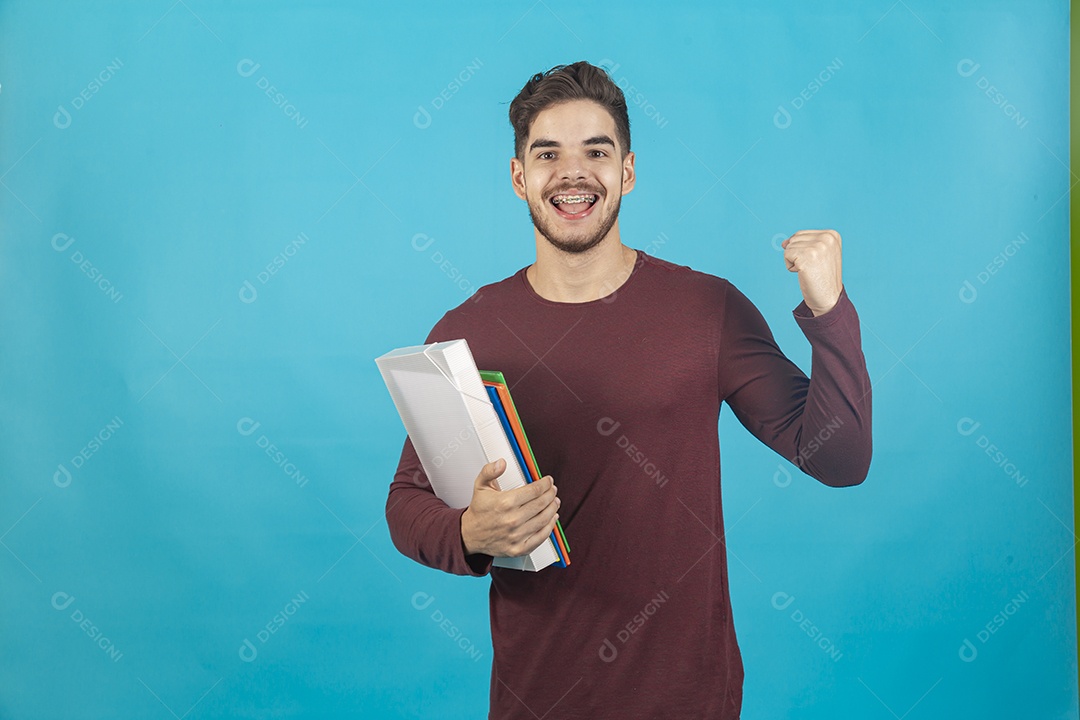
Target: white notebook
{"x":454,"y":427}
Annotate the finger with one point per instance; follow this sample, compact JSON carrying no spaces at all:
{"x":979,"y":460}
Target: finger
{"x":801,"y":236}
{"x":541,"y":527}
{"x":816,"y":237}
{"x":525,"y":516}
{"x":802,"y":242}
{"x":531,"y":491}
{"x":822,"y":231}
{"x":827,"y":234}
{"x":804,"y":247}
{"x":489,"y":473}
{"x":531,"y":507}
{"x":812,"y":252}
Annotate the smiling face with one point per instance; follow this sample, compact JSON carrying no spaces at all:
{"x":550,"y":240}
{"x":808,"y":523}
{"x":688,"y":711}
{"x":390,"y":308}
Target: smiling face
{"x":573,"y":175}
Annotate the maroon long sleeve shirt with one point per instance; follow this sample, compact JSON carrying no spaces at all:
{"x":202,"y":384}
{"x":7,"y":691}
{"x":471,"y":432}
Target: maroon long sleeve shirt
{"x":621,"y":398}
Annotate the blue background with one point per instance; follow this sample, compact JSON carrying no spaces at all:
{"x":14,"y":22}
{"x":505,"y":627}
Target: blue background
{"x":143,"y":134}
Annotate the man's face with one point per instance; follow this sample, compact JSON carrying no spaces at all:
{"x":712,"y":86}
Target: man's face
{"x":573,"y":176}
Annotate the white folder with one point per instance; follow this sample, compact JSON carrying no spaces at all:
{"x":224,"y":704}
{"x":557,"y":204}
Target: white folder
{"x":454,"y":427}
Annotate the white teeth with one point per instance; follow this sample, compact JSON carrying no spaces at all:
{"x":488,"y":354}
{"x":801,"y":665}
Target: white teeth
{"x":560,"y":199}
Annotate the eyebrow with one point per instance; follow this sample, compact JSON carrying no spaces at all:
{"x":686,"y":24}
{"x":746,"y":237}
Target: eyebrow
{"x":595,"y":140}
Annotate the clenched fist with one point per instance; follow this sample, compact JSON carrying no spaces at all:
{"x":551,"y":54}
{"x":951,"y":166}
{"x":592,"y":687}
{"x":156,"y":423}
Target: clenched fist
{"x":815,"y":256}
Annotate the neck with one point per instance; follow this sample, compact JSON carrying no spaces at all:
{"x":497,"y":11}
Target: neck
{"x":560,"y":276}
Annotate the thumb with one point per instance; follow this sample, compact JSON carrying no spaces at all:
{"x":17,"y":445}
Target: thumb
{"x":488,"y":475}
{"x":791,"y":259}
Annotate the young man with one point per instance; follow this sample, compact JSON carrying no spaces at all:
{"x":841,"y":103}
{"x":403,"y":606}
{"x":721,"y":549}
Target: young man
{"x":618,"y":363}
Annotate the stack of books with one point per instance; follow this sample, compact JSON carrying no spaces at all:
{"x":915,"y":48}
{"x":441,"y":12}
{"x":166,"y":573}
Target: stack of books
{"x":459,"y":419}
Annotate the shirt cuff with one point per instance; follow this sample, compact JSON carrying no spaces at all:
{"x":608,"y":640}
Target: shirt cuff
{"x":838,"y":314}
{"x":479,"y":563}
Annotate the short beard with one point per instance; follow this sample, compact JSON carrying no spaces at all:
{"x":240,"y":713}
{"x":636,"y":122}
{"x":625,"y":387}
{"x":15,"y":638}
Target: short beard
{"x":575,"y":246}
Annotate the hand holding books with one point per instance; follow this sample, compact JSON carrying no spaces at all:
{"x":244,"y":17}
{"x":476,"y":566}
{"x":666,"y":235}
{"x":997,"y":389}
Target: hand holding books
{"x":512,"y":522}
{"x":460,"y":419}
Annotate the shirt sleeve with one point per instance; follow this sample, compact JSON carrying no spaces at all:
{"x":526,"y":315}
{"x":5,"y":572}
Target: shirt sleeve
{"x":422,"y":526}
{"x":425,"y":528}
{"x":821,"y":423}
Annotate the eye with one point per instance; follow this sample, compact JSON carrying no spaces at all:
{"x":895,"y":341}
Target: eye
{"x":541,"y":155}
{"x":599,"y":153}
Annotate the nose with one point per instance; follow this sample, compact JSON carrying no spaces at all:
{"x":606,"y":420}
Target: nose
{"x":571,"y":166}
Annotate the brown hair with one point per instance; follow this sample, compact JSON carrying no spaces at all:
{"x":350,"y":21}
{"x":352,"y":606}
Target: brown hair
{"x":580,"y":81}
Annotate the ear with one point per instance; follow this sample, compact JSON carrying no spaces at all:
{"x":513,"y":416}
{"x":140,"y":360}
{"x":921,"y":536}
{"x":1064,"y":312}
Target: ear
{"x":517,"y":177}
{"x":628,"y":176}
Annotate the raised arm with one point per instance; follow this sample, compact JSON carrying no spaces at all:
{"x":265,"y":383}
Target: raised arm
{"x":822,"y":424}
